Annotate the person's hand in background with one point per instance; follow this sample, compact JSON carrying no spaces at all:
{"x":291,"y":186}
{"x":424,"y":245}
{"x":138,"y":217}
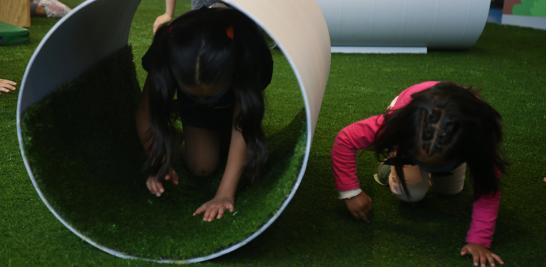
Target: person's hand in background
{"x":7,"y":86}
{"x":167,"y":16}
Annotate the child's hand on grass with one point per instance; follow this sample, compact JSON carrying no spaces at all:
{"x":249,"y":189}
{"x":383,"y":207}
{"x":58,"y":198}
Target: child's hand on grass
{"x":481,"y":255}
{"x":156,"y":186}
{"x":360,"y":206}
{"x":160,"y":20}
{"x":215,"y":208}
{"x":7,"y":86}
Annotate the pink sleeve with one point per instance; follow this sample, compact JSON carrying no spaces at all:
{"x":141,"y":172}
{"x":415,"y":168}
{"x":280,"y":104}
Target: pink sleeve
{"x":484,"y":217}
{"x":405,"y":96}
{"x":349,"y":140}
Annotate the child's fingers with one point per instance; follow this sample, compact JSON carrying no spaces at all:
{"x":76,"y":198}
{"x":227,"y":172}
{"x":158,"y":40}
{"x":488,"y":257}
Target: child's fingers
{"x":199,"y":210}
{"x":230,"y":207}
{"x":7,"y":87}
{"x":158,"y":188}
{"x":7,"y":81}
{"x":149,"y":186}
{"x":175,"y":178}
{"x":210,"y":214}
{"x":154,"y":187}
{"x":483,"y":260}
{"x":496,"y":257}
{"x":8,"y":84}
{"x":361,"y":215}
{"x":490,"y":260}
{"x":464,"y":250}
{"x":475,"y":259}
{"x":206,"y":215}
{"x":220,"y":213}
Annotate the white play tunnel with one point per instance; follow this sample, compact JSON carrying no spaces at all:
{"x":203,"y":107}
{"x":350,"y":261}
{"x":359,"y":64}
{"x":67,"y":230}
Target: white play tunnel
{"x":97,"y":28}
{"x":402,"y":25}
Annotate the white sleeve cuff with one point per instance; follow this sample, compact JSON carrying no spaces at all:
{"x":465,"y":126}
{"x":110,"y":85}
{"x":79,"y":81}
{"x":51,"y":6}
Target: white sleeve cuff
{"x":349,"y":193}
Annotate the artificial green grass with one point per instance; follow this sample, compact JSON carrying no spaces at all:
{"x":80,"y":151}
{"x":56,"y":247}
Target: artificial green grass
{"x":507,"y":65}
{"x":85,"y":155}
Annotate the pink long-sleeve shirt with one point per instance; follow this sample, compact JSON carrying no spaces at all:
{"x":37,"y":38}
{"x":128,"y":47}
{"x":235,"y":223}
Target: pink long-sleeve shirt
{"x":361,"y":134}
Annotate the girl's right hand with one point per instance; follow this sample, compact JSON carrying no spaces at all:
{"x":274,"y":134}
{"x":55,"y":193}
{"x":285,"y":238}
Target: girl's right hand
{"x":360,"y":206}
{"x":156,"y":187}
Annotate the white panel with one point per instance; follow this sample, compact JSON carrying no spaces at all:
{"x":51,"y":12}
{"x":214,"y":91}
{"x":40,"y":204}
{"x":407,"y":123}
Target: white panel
{"x":390,"y":23}
{"x":88,"y":33}
{"x":525,"y":21}
{"x":378,"y":50}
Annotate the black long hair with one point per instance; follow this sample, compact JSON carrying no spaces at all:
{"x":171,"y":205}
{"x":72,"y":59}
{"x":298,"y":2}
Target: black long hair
{"x":445,"y":123}
{"x":214,"y":47}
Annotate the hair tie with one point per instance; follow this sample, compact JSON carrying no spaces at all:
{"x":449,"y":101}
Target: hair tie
{"x":170,"y":29}
{"x":230,"y":32}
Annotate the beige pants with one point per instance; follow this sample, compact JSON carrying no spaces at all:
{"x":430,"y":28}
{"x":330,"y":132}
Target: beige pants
{"x":418,"y":182}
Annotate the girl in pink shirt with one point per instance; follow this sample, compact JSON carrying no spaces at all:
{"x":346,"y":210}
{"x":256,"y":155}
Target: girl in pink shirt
{"x":430,"y":134}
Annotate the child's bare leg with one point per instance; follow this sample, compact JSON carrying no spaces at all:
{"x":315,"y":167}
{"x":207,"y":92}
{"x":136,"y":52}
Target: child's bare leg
{"x":201,"y":150}
{"x":417,"y":183}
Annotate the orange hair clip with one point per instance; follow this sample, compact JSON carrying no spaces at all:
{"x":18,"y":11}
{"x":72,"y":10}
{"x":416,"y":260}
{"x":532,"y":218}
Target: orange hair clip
{"x":230,"y":32}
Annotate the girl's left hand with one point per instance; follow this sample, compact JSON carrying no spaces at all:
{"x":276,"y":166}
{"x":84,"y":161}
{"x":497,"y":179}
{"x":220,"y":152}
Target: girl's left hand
{"x":481,"y":255}
{"x":215,"y":208}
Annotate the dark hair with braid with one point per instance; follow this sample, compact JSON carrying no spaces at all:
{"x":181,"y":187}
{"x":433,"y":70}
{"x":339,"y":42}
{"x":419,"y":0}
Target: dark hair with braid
{"x":214,"y":47}
{"x":445,"y":125}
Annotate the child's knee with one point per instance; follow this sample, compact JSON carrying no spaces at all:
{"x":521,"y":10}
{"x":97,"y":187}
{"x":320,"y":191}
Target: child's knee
{"x":415,"y":194}
{"x":417,"y":184}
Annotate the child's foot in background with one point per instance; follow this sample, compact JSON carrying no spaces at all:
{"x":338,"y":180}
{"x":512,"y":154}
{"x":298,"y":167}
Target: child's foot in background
{"x":49,"y":8}
{"x":382,"y":175}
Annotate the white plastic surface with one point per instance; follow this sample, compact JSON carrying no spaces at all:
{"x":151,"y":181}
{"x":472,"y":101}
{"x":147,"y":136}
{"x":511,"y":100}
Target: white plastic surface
{"x":405,"y":23}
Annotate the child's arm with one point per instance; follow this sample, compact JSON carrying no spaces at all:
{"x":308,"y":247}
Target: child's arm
{"x":142,"y":119}
{"x":484,"y":217}
{"x":482,"y":228}
{"x":170,"y":5}
{"x":356,"y":136}
{"x":225,"y":195}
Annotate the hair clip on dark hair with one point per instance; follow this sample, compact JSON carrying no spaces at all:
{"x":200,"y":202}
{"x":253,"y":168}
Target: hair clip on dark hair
{"x":230,"y":32}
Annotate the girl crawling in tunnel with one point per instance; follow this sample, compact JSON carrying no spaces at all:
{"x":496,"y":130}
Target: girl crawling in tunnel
{"x":208,"y":68}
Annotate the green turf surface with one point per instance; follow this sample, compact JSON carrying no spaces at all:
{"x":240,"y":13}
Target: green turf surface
{"x":507,"y":65}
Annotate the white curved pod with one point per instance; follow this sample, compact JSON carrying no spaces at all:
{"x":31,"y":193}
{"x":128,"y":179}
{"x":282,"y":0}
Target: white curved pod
{"x":405,"y":23}
{"x":97,"y":28}
{"x":299,"y":30}
{"x":90,"y":32}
